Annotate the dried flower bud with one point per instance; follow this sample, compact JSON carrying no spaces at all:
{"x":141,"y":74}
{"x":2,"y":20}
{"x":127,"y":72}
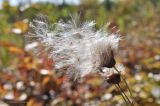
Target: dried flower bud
{"x":103,"y":52}
{"x":112,"y":61}
{"x":114,"y":78}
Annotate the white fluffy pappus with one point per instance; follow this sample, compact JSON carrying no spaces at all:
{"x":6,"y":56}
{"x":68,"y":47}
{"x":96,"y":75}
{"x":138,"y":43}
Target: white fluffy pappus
{"x":75,"y":45}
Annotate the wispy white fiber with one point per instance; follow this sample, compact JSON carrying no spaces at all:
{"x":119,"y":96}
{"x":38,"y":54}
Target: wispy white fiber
{"x":76,"y":45}
{"x":109,"y":71}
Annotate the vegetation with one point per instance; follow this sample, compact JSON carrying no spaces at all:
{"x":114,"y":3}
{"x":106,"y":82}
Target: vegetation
{"x":26,"y":79}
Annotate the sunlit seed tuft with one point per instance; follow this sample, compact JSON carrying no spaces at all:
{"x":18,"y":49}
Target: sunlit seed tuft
{"x":76,"y":45}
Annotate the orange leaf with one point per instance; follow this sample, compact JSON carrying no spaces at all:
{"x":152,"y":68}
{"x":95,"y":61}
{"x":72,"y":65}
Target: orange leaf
{"x":45,"y":80}
{"x":15,"y":50}
{"x":21,"y":25}
{"x":33,"y":102}
{"x":2,"y":90}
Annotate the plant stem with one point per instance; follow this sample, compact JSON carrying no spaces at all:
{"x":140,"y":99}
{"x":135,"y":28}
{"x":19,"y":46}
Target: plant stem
{"x":121,"y":93}
{"x":125,"y":84}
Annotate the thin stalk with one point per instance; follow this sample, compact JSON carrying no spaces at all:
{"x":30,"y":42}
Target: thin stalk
{"x":121,"y":93}
{"x":125,"y":83}
{"x":125,"y":94}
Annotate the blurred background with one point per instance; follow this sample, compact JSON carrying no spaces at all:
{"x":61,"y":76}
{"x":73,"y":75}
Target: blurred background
{"x":29,"y":80}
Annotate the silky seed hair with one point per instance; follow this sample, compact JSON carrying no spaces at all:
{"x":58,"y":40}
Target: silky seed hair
{"x":104,"y":50}
{"x":74,"y":44}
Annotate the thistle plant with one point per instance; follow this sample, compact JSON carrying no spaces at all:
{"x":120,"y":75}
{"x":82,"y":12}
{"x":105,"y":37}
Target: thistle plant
{"x":81,"y":49}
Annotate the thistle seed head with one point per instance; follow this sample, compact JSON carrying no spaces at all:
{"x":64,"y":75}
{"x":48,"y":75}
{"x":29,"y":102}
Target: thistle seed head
{"x":76,"y":45}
